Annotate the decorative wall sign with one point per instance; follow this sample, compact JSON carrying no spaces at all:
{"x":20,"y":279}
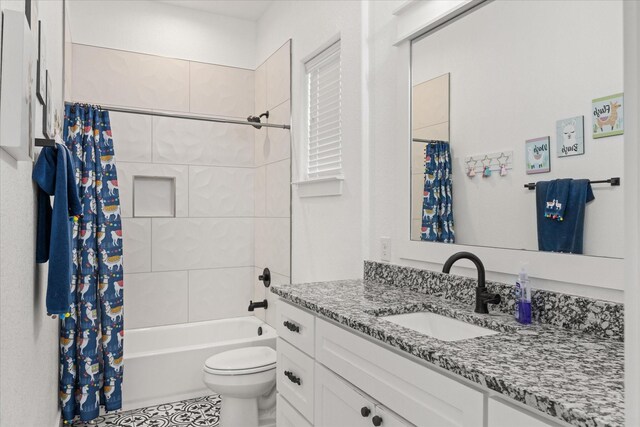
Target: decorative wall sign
{"x":18,"y":81}
{"x":537,"y":155}
{"x":570,"y":136}
{"x":41,"y":87}
{"x":608,"y":116}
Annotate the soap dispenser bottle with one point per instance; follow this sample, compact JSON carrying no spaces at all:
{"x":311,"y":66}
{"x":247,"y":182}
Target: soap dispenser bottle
{"x":523,"y":297}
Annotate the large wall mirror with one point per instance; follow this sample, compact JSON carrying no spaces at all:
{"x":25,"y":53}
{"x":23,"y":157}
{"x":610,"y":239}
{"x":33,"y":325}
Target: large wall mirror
{"x":516,"y":93}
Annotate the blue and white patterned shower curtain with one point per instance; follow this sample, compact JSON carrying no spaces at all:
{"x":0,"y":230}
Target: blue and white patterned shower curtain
{"x":92,"y":333}
{"x":437,"y":210}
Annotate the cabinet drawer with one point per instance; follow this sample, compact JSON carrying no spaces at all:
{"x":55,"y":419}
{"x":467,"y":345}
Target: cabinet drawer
{"x":420,"y":394}
{"x":502,"y":414}
{"x":287,"y":416}
{"x":294,"y":378}
{"x":295,"y":326}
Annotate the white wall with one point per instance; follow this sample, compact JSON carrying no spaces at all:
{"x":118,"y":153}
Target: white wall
{"x":165,"y":30}
{"x":326,"y":231}
{"x":505,"y":93}
{"x":28,"y":338}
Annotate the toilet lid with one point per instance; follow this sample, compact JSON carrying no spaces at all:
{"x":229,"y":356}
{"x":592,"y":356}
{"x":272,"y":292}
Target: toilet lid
{"x":253,"y":359}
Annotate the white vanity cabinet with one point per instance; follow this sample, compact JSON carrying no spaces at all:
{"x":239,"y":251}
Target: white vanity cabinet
{"x":329,"y":376}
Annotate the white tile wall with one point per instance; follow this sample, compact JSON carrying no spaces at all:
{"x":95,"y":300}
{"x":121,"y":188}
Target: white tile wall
{"x":126,"y":172}
{"x":260,"y":79}
{"x":196,"y":243}
{"x":220,"y":192}
{"x":278,"y":77}
{"x":202,"y":264}
{"x":115,"y":77}
{"x":136,"y":236}
{"x":272,"y":247}
{"x":221,"y":91}
{"x":202,"y":143}
{"x":278,"y":189}
{"x":260,"y":188}
{"x":219,"y":293}
{"x":155,"y":299}
{"x":273,"y":177}
{"x":131,"y":136}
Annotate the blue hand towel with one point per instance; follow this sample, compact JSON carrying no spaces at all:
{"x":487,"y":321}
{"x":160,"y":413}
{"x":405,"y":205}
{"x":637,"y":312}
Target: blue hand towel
{"x":557,"y":196}
{"x":54,"y":175}
{"x":567,"y":235}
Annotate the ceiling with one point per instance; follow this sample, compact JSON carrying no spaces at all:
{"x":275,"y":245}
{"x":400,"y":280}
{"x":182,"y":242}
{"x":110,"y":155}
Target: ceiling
{"x":250,"y":10}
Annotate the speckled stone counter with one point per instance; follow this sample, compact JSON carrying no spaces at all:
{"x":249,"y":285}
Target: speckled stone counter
{"x":571,"y":375}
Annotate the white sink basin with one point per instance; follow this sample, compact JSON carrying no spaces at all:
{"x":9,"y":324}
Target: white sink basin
{"x":439,"y":327}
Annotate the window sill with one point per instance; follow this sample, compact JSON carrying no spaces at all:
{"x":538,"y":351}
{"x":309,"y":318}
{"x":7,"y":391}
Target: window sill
{"x":322,"y":187}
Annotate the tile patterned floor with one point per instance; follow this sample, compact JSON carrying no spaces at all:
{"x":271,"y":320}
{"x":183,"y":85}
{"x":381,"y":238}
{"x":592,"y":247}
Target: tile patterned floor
{"x":199,"y":412}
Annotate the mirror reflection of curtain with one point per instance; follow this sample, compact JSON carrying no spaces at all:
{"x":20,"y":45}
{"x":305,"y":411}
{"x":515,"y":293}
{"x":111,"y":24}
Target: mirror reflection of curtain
{"x":437,"y":209}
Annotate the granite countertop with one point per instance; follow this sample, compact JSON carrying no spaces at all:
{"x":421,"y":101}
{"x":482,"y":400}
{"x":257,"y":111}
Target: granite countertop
{"x":571,"y":375}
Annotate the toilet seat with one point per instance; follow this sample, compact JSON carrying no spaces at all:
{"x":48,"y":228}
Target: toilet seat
{"x":241,"y":361}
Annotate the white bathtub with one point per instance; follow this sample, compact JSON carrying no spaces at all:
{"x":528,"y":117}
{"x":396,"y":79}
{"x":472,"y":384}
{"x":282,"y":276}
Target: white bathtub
{"x":164,"y":364}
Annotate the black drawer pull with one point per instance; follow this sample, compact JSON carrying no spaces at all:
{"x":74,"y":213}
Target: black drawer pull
{"x":365,"y":412}
{"x":292,"y":377}
{"x":377,"y":420}
{"x":291,"y":326}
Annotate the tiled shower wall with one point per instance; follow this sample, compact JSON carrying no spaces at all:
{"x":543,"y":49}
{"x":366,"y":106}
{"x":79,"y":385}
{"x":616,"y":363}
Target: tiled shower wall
{"x":273,"y":177}
{"x":230,"y":186}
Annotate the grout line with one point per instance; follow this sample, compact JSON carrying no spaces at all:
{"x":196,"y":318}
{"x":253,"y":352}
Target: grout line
{"x":194,"y":269}
{"x":186,"y":164}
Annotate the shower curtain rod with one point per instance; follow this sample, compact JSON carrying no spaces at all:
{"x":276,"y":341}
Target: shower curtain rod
{"x":189,"y":116}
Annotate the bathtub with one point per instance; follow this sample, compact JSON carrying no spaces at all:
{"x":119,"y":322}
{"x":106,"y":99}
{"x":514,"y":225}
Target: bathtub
{"x":164,"y":364}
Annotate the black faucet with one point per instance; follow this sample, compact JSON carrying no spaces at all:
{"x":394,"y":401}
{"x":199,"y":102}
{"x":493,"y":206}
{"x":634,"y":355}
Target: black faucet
{"x":262,"y":304}
{"x":482,"y":296}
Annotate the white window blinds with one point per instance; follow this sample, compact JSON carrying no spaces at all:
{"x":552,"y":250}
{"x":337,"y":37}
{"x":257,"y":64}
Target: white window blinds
{"x":324,"y":154}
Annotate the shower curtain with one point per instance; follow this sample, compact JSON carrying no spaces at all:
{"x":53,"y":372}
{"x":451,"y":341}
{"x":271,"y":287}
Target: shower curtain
{"x":437,"y":211}
{"x":91,"y":334}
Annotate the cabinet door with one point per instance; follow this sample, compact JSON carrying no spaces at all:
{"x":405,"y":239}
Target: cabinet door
{"x":338,"y":404}
{"x":286,"y":416}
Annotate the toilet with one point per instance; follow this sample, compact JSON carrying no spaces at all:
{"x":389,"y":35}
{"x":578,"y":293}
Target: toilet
{"x":246,"y":379}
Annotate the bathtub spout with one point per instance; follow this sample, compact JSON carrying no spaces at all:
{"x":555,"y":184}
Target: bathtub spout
{"x":262,"y":304}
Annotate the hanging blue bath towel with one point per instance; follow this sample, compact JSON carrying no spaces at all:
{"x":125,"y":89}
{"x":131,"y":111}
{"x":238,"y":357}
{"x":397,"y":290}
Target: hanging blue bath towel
{"x":54,"y":174}
{"x":566,"y":235}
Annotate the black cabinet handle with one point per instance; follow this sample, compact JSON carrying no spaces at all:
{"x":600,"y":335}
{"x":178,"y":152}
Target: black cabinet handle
{"x":291,"y":326}
{"x":377,"y":420}
{"x":292,"y":377}
{"x":365,"y":412}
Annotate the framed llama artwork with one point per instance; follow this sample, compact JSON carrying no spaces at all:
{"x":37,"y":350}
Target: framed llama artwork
{"x":608,"y":116}
{"x":537,"y":155}
{"x":570,"y":136}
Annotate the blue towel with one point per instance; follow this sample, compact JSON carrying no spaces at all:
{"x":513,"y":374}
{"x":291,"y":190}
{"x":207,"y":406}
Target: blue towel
{"x":567,"y":235}
{"x":557,"y":197}
{"x":54,"y":174}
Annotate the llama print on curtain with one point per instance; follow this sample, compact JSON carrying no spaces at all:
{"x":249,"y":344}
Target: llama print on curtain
{"x":437,"y":210}
{"x":91,"y":334}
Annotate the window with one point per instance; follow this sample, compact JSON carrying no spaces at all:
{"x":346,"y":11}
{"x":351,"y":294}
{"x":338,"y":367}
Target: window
{"x":324,"y":154}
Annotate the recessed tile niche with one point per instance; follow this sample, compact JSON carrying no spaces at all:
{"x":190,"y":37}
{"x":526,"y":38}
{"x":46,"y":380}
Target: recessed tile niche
{"x":154,"y":196}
